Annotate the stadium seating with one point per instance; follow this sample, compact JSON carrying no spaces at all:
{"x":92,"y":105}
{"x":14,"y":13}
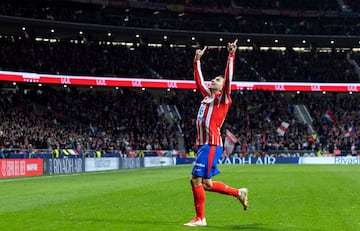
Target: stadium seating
{"x":148,"y":62}
{"x":73,"y":118}
{"x":279,"y":17}
{"x":52,"y":118}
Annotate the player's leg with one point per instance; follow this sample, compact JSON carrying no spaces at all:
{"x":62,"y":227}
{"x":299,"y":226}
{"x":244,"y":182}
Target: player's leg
{"x":199,"y":196}
{"x":198,"y":172}
{"x":199,"y":202}
{"x":218,"y":186}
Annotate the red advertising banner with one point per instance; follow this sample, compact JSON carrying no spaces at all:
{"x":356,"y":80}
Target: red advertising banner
{"x":24,"y":77}
{"x":20,"y":167}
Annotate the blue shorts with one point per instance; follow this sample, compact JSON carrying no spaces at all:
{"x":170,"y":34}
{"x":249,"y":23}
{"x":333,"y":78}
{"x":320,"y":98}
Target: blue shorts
{"x":206,"y":161}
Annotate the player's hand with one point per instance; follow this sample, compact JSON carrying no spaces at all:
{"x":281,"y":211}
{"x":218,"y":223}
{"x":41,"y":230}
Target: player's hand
{"x":232,"y":47}
{"x":199,"y":53}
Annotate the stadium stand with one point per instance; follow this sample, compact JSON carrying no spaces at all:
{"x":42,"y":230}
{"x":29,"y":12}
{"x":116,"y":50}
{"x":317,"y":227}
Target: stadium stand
{"x":44,"y":118}
{"x":104,"y":60}
{"x":256,"y":115}
{"x":49,"y":118}
{"x":276,"y":17}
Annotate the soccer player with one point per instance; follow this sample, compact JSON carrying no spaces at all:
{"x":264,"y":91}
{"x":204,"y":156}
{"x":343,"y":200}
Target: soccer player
{"x":211,"y":115}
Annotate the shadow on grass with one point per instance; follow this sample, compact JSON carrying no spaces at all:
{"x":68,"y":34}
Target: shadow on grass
{"x":255,"y":226}
{"x":171,"y":225}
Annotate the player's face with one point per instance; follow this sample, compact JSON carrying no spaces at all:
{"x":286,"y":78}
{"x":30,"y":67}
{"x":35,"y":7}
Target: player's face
{"x":217,"y":83}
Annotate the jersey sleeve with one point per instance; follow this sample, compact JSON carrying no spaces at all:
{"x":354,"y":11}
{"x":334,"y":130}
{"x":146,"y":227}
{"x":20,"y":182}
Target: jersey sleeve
{"x":229,"y":71}
{"x":199,"y":79}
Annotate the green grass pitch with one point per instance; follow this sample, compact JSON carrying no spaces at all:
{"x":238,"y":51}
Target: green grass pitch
{"x":281,"y":197}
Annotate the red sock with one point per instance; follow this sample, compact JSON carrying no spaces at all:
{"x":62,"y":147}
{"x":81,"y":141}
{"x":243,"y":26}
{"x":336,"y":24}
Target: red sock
{"x":220,"y":187}
{"x":199,"y":200}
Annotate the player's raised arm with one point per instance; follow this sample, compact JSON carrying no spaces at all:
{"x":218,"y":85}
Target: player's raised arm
{"x":229,"y":70}
{"x":198,"y":76}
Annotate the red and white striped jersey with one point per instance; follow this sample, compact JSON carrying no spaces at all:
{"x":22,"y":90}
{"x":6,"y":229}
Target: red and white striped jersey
{"x":213,"y":108}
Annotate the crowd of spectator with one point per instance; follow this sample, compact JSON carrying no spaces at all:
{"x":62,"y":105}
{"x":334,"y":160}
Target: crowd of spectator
{"x":255,"y":117}
{"x":217,"y":21}
{"x":172,"y":62}
{"x":69,"y":58}
{"x":128,"y":119}
{"x":125,"y":120}
{"x":53,"y":118}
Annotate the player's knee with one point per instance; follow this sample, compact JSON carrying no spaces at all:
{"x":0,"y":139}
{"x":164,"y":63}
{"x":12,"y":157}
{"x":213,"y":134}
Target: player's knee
{"x":207,"y":186}
{"x":194,"y":181}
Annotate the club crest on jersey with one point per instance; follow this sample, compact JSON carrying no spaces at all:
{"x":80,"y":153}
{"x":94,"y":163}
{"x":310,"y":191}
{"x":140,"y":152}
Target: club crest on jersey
{"x":208,"y":99}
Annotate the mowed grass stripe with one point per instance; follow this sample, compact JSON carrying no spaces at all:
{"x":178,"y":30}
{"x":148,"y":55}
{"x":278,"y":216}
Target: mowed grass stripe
{"x":282,"y":197}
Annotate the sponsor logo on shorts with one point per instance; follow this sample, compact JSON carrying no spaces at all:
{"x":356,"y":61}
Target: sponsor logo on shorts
{"x":200,"y":165}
